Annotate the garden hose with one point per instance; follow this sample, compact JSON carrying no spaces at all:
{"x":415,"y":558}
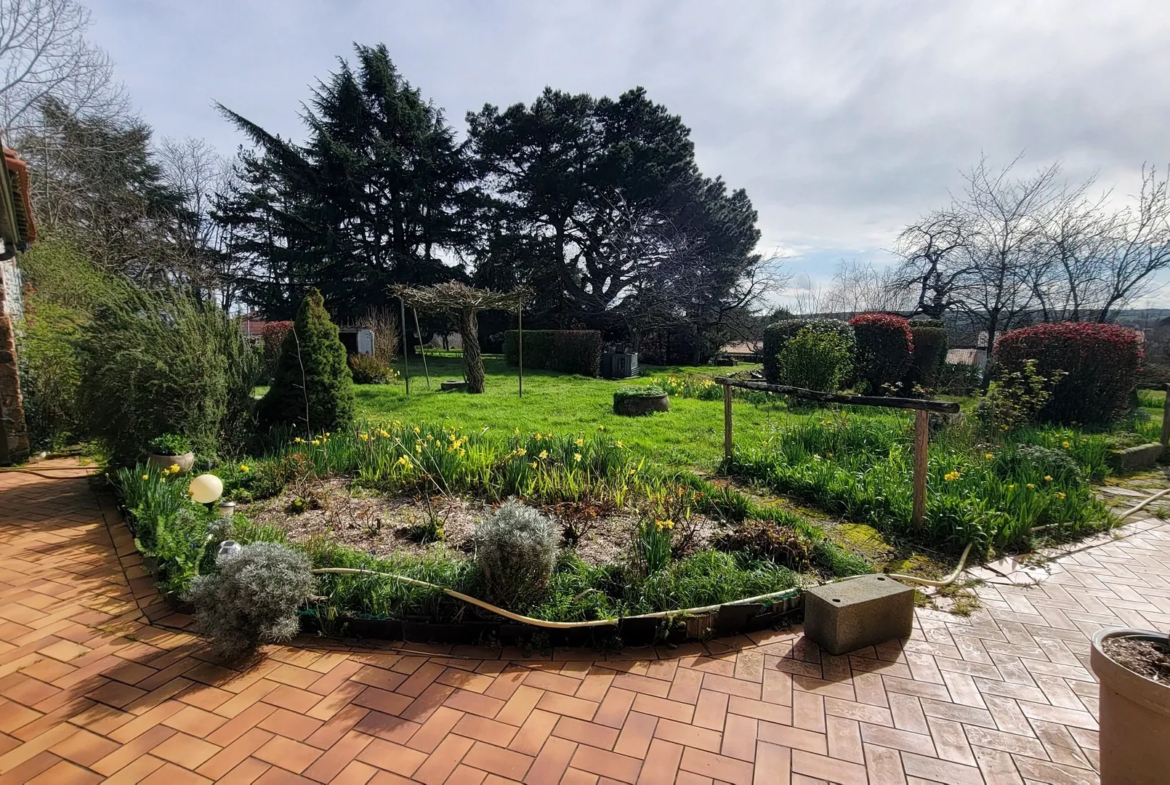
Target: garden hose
{"x":1142,"y":504}
{"x":947,"y":581}
{"x":556,"y":625}
{"x":38,"y":472}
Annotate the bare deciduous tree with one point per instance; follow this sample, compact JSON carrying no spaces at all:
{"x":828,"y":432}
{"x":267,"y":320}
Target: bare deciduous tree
{"x":44,"y":54}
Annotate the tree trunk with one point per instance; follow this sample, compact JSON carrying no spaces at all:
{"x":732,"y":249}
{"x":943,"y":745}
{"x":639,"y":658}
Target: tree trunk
{"x":472,"y":360}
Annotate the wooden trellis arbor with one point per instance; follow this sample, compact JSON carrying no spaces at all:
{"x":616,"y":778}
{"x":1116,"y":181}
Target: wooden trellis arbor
{"x":921,"y":408}
{"x":464,"y":302}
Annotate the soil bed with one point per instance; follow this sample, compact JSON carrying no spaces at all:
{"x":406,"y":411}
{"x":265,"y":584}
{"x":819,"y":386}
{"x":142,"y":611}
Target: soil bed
{"x":1148,"y":658}
{"x":382,"y":525}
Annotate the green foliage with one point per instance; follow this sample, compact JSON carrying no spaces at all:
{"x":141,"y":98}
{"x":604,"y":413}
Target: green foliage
{"x":170,"y":444}
{"x":652,"y":543}
{"x":863,"y":468}
{"x":163,"y":362}
{"x":375,"y":147}
{"x":640,"y":391}
{"x":253,"y":599}
{"x":778,"y":334}
{"x":885,"y":350}
{"x":516,"y":548}
{"x":312,"y":387}
{"x":1095,"y":368}
{"x":959,"y":379}
{"x":930,"y":355}
{"x":569,"y":351}
{"x":815,"y":360}
{"x":1016,"y":397}
{"x":701,"y":387}
{"x":768,"y":539}
{"x":62,"y":289}
{"x":368,"y":369}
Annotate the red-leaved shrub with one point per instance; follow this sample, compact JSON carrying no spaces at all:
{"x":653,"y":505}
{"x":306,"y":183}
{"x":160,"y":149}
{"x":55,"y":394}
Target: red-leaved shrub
{"x":885,"y":349}
{"x":273,"y":334}
{"x":1101,"y":363}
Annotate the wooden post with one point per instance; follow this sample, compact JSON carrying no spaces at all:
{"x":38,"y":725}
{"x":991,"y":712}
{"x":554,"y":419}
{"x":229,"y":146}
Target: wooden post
{"x":727,"y":445}
{"x":921,"y":440}
{"x":1166,"y":419}
{"x":421,"y":350}
{"x":520,"y":344}
{"x":405,"y":347}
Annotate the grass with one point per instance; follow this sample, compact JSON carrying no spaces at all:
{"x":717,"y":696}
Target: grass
{"x":690,"y":435}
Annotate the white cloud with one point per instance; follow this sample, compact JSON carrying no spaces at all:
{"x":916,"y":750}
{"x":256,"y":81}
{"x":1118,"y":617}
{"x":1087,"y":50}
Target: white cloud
{"x":843,"y":120}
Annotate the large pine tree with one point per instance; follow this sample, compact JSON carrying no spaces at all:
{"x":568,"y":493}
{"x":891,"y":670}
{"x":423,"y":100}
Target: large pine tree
{"x":372,"y":198}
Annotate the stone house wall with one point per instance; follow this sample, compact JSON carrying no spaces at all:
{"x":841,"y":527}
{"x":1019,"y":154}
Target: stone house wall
{"x":15,"y":447}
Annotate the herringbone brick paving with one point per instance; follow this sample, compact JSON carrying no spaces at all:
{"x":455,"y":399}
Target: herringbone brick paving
{"x":98,"y":680}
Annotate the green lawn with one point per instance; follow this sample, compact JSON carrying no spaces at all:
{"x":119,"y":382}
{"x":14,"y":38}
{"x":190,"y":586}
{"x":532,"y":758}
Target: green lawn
{"x":690,"y":434}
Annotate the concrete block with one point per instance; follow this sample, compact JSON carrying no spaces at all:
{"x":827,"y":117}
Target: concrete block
{"x":847,"y":615}
{"x":1140,"y":457}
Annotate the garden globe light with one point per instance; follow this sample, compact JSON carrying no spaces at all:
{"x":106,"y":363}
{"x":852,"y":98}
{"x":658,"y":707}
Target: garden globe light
{"x":206,"y":489}
{"x":228,"y":549}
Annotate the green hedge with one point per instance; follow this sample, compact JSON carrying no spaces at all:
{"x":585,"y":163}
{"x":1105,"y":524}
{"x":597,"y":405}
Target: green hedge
{"x":569,"y":351}
{"x":777,"y":334}
{"x":930,"y":354}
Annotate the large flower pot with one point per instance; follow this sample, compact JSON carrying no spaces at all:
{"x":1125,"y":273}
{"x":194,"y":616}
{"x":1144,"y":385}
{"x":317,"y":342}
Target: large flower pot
{"x":1134,"y":717}
{"x":185,"y":461}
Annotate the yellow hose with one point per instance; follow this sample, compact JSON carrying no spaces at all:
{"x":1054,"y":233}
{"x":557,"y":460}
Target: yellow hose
{"x":556,"y":625}
{"x":947,"y":581}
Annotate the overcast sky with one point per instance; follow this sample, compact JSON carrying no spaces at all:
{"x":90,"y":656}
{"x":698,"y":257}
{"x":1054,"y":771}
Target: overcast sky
{"x":843,"y":121}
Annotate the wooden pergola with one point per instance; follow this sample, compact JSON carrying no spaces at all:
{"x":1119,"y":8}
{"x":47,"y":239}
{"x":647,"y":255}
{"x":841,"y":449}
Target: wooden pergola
{"x":464,"y":302}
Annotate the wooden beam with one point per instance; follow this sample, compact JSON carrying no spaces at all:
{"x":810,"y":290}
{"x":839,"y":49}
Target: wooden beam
{"x":421,"y":350}
{"x":405,"y":347}
{"x":520,"y":345}
{"x":943,"y":407}
{"x":727,"y":443}
{"x":921,"y":441}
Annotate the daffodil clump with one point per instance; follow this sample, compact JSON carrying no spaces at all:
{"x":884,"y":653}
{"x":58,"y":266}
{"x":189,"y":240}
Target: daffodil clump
{"x":996,"y":494}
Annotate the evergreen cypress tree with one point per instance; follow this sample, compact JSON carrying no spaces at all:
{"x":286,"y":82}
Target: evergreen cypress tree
{"x":312,"y":387}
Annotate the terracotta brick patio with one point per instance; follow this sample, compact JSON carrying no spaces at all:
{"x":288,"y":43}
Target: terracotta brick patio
{"x":100,"y":681}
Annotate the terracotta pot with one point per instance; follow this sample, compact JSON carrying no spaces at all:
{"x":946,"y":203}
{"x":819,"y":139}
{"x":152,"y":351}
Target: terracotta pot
{"x":184,"y":461}
{"x":637,"y":405}
{"x":1134,"y":717}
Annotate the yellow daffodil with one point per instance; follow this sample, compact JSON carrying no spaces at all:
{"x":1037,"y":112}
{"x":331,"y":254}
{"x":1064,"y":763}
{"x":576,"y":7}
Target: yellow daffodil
{"x":577,"y":456}
{"x":988,"y":456}
{"x":462,"y":452}
{"x":245,"y":468}
{"x":146,"y":476}
{"x":619,"y":444}
{"x":817,"y":458}
{"x":1031,"y":486}
{"x":951,"y":476}
{"x":1060,"y":495}
{"x":365,"y":437}
{"x":1011,"y":487}
{"x":537,"y":436}
{"x":579,"y":442}
{"x":1064,"y":445}
{"x":543,"y":454}
{"x":533,"y":464}
{"x":316,"y":442}
{"x":522,"y":451}
{"x":1048,"y":478}
{"x":601,"y":427}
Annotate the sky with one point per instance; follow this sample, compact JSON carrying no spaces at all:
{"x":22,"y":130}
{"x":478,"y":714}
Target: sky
{"x":844,"y":121}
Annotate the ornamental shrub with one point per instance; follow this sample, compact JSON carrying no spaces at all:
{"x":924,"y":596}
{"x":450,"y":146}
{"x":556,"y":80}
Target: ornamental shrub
{"x":777,"y":334}
{"x":368,"y":369}
{"x":929,"y":354}
{"x":312,"y":387}
{"x":516,"y":549}
{"x":568,"y":351}
{"x":1101,"y":363}
{"x":815,"y":361}
{"x":253,"y":599}
{"x":163,"y":361}
{"x":885,"y":349}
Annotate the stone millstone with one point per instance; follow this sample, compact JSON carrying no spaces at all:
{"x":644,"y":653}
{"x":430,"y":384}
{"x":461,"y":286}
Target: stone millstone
{"x":847,"y":615}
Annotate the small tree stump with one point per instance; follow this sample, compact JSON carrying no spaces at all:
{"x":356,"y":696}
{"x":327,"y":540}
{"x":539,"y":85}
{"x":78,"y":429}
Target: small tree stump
{"x":637,"y":405}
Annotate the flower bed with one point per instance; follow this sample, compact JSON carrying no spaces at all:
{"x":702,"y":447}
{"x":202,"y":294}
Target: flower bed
{"x":441,"y":465}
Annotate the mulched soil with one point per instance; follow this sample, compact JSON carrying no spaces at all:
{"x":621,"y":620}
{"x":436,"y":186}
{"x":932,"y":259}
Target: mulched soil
{"x":382,"y":525}
{"x":1142,"y":656}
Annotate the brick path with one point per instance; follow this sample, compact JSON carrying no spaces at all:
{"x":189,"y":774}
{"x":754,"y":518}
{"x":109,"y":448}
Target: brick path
{"x":98,"y":681}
